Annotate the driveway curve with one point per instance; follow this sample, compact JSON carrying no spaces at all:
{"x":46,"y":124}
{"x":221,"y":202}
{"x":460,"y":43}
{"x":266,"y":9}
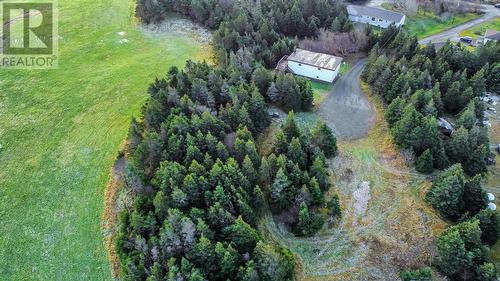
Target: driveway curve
{"x":346,"y":109}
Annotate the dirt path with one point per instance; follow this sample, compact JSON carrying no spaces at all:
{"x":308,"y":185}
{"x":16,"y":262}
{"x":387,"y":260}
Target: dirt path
{"x":109,"y":218}
{"x":386,"y":225}
{"x":346,"y":109}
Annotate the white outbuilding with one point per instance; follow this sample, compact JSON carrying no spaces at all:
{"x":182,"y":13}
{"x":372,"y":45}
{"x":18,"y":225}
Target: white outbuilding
{"x":317,"y":66}
{"x":375,"y":16}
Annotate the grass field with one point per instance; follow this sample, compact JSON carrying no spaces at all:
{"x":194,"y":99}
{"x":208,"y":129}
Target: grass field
{"x":480,"y":29}
{"x":425,"y":24}
{"x":60,"y":131}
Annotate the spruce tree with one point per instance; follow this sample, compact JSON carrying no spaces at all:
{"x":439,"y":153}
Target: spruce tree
{"x":324,"y":138}
{"x":424,"y":163}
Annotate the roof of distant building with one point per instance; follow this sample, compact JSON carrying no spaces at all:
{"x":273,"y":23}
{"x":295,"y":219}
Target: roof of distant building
{"x":356,"y":10}
{"x":492,"y":34}
{"x":315,"y":59}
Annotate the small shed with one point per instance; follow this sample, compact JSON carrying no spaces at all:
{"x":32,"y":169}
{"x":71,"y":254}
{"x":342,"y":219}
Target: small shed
{"x":444,"y":126}
{"x":314,"y":65}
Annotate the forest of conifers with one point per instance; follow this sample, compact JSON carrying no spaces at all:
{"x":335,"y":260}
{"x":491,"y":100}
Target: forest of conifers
{"x":200,"y":182}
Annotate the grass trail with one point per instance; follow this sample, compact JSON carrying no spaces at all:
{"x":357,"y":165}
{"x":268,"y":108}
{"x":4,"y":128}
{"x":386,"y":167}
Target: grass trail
{"x":60,"y":131}
{"x":396,"y":229}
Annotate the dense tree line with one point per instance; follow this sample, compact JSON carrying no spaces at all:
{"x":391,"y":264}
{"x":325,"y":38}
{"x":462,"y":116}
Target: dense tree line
{"x":197,"y":180}
{"x":193,"y":172}
{"x":421,"y":84}
{"x":297,"y":177}
{"x":196,"y":176}
{"x":463,"y":248}
{"x":266,"y":29}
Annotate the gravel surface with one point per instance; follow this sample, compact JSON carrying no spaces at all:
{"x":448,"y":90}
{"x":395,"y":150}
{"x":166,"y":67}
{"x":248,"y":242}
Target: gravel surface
{"x":346,"y":109}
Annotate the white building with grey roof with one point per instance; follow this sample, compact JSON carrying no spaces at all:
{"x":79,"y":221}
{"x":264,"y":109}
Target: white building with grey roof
{"x":317,"y":66}
{"x":375,"y":16}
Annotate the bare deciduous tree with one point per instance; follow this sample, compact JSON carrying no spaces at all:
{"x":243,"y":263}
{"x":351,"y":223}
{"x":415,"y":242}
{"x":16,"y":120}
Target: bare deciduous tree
{"x":340,"y":44}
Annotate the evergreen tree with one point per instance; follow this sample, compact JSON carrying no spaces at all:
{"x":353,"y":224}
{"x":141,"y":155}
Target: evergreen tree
{"x":422,"y":274}
{"x":474,"y":197}
{"x":296,"y":154}
{"x":424,"y":163}
{"x":319,"y":171}
{"x":334,"y":209}
{"x":242,"y":235}
{"x":395,"y":110}
{"x":290,"y":128}
{"x":315,"y":191}
{"x":489,"y":222}
{"x":304,"y":221}
{"x":278,"y":191}
{"x":447,"y":191}
{"x":323,"y":137}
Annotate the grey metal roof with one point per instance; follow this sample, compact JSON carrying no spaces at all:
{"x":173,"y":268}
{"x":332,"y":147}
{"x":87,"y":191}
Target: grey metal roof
{"x":492,"y":34}
{"x":356,"y":10}
{"x":315,"y":59}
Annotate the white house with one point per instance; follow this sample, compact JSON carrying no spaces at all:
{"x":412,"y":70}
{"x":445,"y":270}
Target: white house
{"x":375,"y":16}
{"x":317,"y":66}
{"x":491,"y":35}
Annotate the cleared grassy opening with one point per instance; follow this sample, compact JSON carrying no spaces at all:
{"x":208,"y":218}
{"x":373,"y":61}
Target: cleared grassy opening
{"x":60,"y":131}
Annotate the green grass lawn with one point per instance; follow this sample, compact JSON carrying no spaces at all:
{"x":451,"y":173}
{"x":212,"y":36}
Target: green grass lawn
{"x":425,"y":24}
{"x":320,"y":91}
{"x":60,"y":131}
{"x":480,"y":29}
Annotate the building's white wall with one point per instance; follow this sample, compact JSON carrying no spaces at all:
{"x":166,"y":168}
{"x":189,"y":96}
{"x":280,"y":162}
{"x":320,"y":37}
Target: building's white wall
{"x":375,"y":21}
{"x":313,"y":72}
{"x":401,"y":22}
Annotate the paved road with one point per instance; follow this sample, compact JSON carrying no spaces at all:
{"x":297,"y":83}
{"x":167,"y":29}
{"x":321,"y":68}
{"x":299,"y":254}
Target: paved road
{"x":346,"y":109}
{"x":490,"y":13}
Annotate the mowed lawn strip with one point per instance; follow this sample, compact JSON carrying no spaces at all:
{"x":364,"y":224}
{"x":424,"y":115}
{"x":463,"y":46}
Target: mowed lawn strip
{"x":60,"y":131}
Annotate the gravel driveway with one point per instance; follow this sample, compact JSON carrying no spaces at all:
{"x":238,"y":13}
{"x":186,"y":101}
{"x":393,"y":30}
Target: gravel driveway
{"x":346,"y":109}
